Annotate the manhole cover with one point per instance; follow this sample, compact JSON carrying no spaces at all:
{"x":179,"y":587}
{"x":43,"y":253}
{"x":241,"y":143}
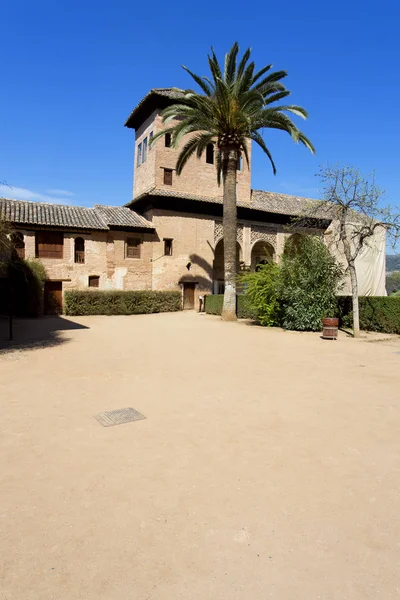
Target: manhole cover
{"x":117,"y":417}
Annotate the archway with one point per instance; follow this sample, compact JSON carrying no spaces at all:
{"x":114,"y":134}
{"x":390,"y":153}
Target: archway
{"x":218,"y":266}
{"x":261,"y":253}
{"x":293,"y":243}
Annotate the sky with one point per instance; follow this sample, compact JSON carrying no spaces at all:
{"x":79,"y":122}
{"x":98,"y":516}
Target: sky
{"x":72,"y":71}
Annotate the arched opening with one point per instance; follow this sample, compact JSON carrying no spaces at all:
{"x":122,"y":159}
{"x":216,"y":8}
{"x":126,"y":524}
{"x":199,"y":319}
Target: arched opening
{"x":79,"y":250}
{"x":218,"y":266}
{"x":293,"y":243}
{"x":210,"y":154}
{"x":262,"y":253}
{"x":18,"y":245}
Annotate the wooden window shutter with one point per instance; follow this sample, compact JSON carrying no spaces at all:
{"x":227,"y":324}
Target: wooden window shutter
{"x":167,"y":176}
{"x":133,"y":246}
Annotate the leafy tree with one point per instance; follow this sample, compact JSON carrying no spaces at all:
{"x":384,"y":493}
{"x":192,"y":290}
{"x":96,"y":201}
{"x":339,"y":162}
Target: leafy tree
{"x":310,"y":278}
{"x":354,"y":201}
{"x":235,"y":103}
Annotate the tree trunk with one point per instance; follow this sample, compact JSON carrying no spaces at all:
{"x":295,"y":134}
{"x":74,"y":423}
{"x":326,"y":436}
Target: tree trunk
{"x":230,"y":226}
{"x":354,"y":293}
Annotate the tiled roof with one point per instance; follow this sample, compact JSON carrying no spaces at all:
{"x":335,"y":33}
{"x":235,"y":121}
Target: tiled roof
{"x":169,"y":93}
{"x":99,"y":218}
{"x":120,"y":216}
{"x":269,"y":202}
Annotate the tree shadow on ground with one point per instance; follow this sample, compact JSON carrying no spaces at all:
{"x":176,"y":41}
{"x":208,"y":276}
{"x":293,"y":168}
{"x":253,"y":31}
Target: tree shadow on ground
{"x":31,"y":334}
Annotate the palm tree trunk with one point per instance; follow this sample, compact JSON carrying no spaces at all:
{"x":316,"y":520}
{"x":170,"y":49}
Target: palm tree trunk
{"x":230,"y":226}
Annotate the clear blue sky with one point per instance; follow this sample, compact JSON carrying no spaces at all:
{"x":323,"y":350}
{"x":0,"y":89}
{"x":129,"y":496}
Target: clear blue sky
{"x":72,"y":71}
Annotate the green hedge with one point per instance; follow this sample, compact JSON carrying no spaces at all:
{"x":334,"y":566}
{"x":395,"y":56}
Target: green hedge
{"x":377,"y":313}
{"x":120,"y":303}
{"x":214,"y":302}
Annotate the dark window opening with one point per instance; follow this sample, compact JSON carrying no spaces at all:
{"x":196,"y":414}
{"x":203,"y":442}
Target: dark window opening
{"x":150,"y":139}
{"x":167,"y":176}
{"x":168,"y":140}
{"x":210,"y":154}
{"x":167,"y":247}
{"x":139,"y":155}
{"x":18,"y":245}
{"x":144,"y":151}
{"x":239,"y":165}
{"x":79,"y":250}
{"x":94,"y":281}
{"x":49,"y":244}
{"x":133,"y":247}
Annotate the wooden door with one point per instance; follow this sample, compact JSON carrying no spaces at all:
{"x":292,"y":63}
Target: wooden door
{"x":53,"y":304}
{"x":188,"y":296}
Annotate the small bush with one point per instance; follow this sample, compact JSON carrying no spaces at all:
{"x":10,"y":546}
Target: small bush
{"x":262,"y":290}
{"x":78,"y":302}
{"x":213,"y":304}
{"x":377,"y":313}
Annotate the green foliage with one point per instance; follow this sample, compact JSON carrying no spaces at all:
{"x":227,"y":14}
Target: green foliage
{"x":235,"y":103}
{"x":377,"y":313}
{"x":27,"y":279}
{"x":262,"y":292}
{"x":120,"y":302}
{"x":214,"y":302}
{"x":393,"y":282}
{"x":310,"y":278}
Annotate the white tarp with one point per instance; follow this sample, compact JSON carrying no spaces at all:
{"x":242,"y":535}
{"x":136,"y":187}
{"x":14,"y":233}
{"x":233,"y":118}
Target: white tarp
{"x":370,"y":263}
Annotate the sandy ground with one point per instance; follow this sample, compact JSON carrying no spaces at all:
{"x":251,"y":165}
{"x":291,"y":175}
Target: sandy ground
{"x":268,"y":465}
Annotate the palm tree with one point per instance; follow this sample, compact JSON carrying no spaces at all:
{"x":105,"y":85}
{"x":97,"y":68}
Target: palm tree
{"x":234,"y":105}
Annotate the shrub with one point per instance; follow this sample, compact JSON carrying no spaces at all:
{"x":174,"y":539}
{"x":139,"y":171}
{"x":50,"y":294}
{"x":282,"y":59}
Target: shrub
{"x":310,"y":278}
{"x":262,"y":290}
{"x":27,"y":279}
{"x":377,"y":313}
{"x":78,"y":302}
{"x":214,"y":302}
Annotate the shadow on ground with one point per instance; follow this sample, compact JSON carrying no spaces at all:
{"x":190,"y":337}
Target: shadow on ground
{"x":30,"y":334}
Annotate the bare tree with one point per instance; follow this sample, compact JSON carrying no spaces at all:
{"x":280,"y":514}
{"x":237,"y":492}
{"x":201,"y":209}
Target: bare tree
{"x":354,"y":202}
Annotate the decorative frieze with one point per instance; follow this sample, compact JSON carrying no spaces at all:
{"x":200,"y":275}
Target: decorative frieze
{"x":219,"y":232}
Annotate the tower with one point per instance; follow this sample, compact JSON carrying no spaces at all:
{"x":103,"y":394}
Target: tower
{"x":154,"y":165}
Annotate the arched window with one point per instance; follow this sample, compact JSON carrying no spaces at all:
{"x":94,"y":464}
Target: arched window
{"x":18,"y":245}
{"x":210,"y":154}
{"x":79,"y":250}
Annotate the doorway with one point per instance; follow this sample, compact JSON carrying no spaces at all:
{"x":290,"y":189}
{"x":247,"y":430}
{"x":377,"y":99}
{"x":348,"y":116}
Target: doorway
{"x":53,"y":302}
{"x":188,"y":296}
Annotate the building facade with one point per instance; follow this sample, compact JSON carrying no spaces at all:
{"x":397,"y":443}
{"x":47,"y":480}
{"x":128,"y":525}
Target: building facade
{"x":170,"y":235}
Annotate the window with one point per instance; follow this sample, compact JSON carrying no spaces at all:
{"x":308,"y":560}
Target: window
{"x":139,"y":155}
{"x":49,"y":244}
{"x":239,"y":163}
{"x":79,"y":250}
{"x":167,"y":176}
{"x":144,"y":152}
{"x":133,"y":248}
{"x":210,"y":154}
{"x":94,"y":281}
{"x":167,"y":247}
{"x":167,"y":140}
{"x":150,"y":139}
{"x":18,"y":245}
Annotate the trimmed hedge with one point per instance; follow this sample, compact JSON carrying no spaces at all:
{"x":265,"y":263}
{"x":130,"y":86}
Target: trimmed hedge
{"x":120,"y":303}
{"x":214,"y":302}
{"x":377,"y":313}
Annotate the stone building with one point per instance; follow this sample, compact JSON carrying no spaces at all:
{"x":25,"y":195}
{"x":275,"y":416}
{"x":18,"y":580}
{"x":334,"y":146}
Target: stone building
{"x":170,"y":235}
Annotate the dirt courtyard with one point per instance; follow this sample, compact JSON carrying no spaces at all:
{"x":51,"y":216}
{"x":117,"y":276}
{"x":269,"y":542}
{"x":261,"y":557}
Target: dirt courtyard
{"x":268,"y":465}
